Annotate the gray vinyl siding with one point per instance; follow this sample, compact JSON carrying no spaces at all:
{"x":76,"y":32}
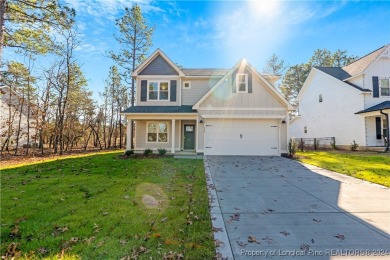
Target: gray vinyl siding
{"x":199,"y":88}
{"x":159,"y":66}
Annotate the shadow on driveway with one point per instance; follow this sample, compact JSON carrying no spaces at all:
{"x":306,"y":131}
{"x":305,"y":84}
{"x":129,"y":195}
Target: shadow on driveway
{"x":297,"y":210}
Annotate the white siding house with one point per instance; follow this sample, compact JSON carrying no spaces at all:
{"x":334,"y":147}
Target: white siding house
{"x":350,"y":103}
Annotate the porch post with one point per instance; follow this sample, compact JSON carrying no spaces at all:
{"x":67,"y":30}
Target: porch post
{"x":128,"y":134}
{"x":173,"y":136}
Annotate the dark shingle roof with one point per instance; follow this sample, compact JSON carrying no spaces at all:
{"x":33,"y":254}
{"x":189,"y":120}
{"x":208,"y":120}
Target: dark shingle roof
{"x":159,"y":109}
{"x":205,"y":72}
{"x":380,"y":106}
{"x":340,"y":74}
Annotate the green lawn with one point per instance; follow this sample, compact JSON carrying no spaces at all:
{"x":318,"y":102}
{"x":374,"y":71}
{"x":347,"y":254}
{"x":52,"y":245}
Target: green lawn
{"x":104,"y":207}
{"x":373,"y":167}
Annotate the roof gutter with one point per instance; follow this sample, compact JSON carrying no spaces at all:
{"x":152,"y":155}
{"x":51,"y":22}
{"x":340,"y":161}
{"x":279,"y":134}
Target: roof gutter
{"x":387,"y":130}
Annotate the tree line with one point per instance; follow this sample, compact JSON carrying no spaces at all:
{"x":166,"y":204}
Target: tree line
{"x":62,"y":114}
{"x":50,"y":107}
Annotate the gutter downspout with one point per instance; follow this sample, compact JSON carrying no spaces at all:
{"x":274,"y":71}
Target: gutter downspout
{"x":387,"y":130}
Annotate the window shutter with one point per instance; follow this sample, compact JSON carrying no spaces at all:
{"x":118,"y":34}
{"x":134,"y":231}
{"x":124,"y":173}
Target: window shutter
{"x":173,"y":90}
{"x":144,"y":90}
{"x":249,"y":82}
{"x":375,"y":87}
{"x":233,"y":81}
{"x":378,"y":127}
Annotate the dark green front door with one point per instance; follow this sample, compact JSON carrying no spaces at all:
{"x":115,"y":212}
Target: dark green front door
{"x":189,"y":137}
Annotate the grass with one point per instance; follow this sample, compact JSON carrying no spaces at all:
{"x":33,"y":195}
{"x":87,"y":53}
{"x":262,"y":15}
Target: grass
{"x":372,"y":167}
{"x":104,"y":207}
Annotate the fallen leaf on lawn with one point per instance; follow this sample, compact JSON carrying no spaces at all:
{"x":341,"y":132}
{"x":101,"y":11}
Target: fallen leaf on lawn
{"x":13,"y":252}
{"x":43,"y":250}
{"x":89,"y":240}
{"x":164,"y":219}
{"x":252,"y":239}
{"x":189,"y":222}
{"x":218,"y":242}
{"x":317,"y":220}
{"x":215,"y":229}
{"x":123,"y":242}
{"x":74,"y":240}
{"x":340,"y":236}
{"x":240,"y":243}
{"x":22,"y":219}
{"x":284,"y":233}
{"x":105,"y":213}
{"x":14,"y":232}
{"x":305,"y":247}
{"x":126,"y":197}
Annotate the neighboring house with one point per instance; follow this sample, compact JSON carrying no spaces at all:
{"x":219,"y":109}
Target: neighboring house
{"x":350,"y":103}
{"x":210,"y":111}
{"x":11,"y":103}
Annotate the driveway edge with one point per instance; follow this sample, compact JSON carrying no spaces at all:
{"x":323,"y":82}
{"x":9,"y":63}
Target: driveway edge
{"x":222,"y":244}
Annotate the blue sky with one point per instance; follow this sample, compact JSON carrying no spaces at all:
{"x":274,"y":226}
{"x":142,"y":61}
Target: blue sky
{"x":216,"y":34}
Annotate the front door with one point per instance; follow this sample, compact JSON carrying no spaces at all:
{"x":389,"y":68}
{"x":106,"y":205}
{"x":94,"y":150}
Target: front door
{"x":189,"y":137}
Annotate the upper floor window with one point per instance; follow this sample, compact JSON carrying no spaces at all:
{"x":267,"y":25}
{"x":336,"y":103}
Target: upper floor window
{"x":384,"y":87}
{"x":320,"y":98}
{"x":158,"y":90}
{"x":186,"y":84}
{"x":242,"y":83}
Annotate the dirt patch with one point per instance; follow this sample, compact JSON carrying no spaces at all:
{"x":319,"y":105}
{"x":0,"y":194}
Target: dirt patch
{"x":150,"y":201}
{"x":151,"y":196}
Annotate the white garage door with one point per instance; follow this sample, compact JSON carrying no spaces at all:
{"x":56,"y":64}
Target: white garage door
{"x":241,"y":137}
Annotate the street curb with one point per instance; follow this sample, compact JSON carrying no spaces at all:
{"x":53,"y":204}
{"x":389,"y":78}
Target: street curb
{"x":224,"y":249}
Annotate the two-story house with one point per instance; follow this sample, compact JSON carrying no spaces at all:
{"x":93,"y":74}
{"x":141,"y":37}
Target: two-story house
{"x":350,"y":103}
{"x":233,"y":111}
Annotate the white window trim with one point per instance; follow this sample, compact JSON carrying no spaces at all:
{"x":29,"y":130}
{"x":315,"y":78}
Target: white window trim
{"x":147,"y":132}
{"x":380,"y":86}
{"x":158,"y":92}
{"x":246,"y":82}
{"x":189,"y":84}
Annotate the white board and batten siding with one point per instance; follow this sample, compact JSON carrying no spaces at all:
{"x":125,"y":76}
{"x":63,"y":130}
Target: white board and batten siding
{"x":243,"y":123}
{"x":334,"y":116}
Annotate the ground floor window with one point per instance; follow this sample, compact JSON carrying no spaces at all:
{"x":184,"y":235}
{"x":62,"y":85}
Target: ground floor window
{"x":157,"y":132}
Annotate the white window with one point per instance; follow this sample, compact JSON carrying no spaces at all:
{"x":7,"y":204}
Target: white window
{"x":242,"y":83}
{"x":186,"y":85}
{"x":158,"y":90}
{"x":385,"y":87}
{"x":157,"y":133}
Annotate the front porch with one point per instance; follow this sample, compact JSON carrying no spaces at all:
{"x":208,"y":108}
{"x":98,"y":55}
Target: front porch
{"x":377,"y":125}
{"x":176,"y":133}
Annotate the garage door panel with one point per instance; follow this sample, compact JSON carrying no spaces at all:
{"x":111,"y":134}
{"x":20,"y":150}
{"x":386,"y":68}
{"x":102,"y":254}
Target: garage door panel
{"x":241,"y":137}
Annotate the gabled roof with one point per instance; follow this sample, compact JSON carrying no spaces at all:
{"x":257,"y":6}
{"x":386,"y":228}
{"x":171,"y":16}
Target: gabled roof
{"x":359,"y":66}
{"x":340,"y":74}
{"x":205,"y":72}
{"x":244,"y":63}
{"x":159,"y":109}
{"x":380,"y":106}
{"x":151,"y":58}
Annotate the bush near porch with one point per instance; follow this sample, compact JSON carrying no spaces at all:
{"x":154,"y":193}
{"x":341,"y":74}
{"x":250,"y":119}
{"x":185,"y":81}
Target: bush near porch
{"x":105,"y":207}
{"x":369,"y":166}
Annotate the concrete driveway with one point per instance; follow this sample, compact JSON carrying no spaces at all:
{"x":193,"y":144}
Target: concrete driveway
{"x":294,"y":210}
